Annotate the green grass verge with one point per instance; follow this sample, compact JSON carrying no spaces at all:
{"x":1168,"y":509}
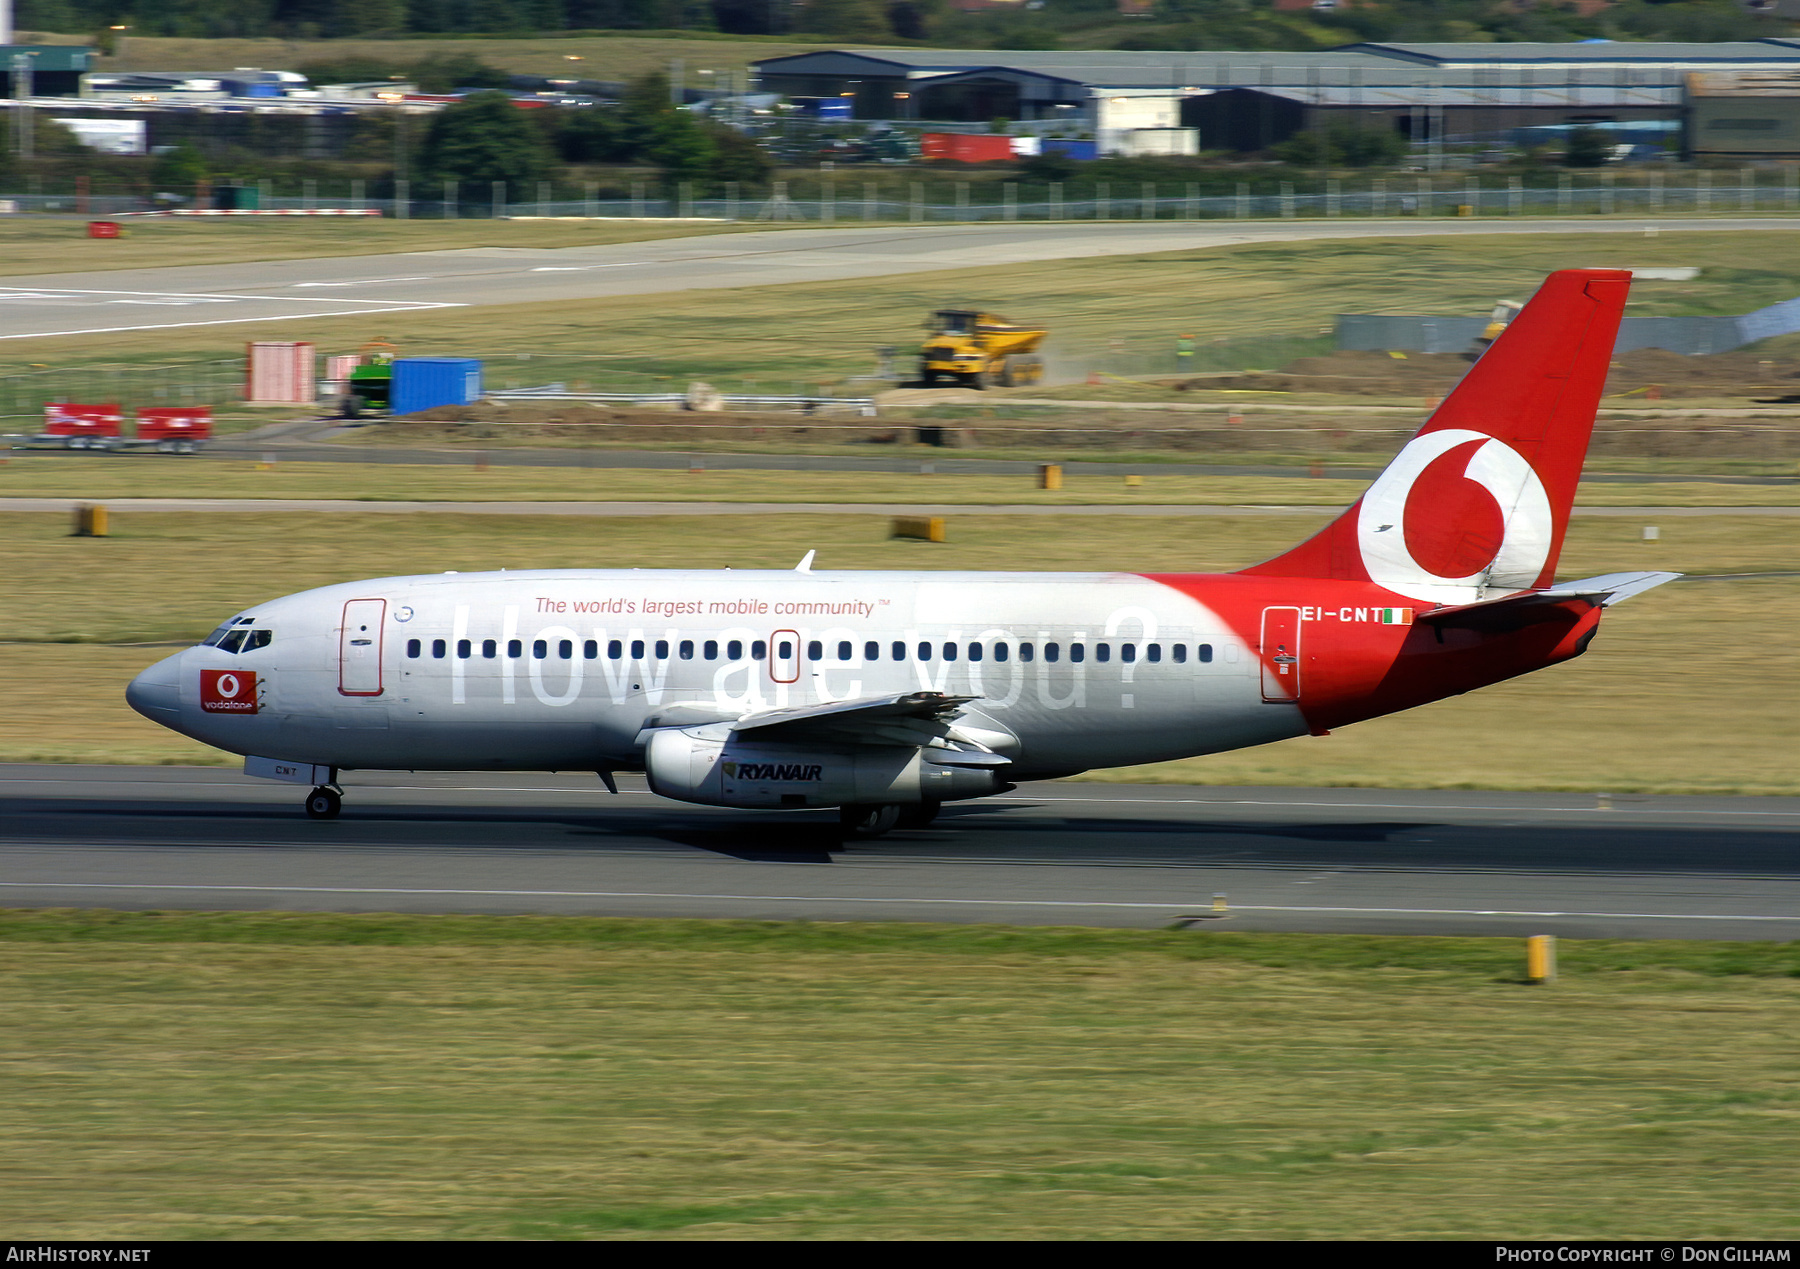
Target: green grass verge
{"x":285,"y":1076}
{"x":62,"y":246}
{"x":29,"y":475}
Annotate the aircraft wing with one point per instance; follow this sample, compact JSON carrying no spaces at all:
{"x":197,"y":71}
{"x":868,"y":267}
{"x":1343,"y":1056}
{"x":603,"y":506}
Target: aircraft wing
{"x":1510,"y":612}
{"x":910,"y":718}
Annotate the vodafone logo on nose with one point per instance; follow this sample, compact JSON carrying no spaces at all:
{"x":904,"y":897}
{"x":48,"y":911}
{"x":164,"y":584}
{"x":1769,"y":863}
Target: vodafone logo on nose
{"x":227,"y":692}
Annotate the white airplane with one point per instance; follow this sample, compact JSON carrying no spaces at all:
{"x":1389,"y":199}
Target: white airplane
{"x":887,"y":694}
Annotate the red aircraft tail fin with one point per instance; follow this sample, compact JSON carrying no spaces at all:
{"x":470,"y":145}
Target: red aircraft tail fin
{"x":1478,"y":501}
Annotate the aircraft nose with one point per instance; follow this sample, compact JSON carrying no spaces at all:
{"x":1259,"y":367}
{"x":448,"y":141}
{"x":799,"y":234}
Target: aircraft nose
{"x":156,"y":693}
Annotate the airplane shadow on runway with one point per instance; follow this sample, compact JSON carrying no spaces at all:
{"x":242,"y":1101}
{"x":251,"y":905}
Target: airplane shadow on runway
{"x":1018,"y":831}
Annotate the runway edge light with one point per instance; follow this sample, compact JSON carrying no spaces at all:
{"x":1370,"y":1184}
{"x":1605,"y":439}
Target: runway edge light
{"x":1540,"y":958}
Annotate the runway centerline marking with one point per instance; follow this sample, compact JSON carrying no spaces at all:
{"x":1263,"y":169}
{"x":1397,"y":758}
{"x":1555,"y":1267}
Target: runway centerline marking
{"x":368,"y":281}
{"x":779,"y":898}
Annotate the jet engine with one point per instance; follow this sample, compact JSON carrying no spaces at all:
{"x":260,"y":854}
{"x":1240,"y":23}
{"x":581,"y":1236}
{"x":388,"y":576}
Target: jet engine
{"x":714,"y":766}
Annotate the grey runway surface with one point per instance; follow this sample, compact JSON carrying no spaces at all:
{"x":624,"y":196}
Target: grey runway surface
{"x":1066,"y":853}
{"x":211,"y":295}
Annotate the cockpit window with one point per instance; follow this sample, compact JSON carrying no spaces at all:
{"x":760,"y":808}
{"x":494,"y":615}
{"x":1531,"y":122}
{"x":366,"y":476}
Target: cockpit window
{"x":233,"y":637}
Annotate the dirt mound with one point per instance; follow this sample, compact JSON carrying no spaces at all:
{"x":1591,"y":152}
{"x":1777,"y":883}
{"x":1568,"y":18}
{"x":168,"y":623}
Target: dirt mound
{"x":1648,"y":372}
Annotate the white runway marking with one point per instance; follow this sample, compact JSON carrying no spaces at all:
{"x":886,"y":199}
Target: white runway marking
{"x":790,"y":898}
{"x":368,"y":281}
{"x":305,"y":307}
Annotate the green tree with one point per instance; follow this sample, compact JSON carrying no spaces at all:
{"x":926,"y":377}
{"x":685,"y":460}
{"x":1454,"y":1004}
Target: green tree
{"x":1587,"y":147}
{"x":1367,"y":147}
{"x":846,"y":19}
{"x":178,"y":170}
{"x":482,"y":139}
{"x":738,"y":158}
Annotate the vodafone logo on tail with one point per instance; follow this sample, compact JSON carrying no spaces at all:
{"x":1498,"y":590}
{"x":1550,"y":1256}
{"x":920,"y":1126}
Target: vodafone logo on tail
{"x":1524,"y":520}
{"x":227,"y":692}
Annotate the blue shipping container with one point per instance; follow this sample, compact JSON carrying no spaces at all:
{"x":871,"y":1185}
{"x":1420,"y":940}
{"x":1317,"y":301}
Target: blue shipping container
{"x":423,"y":382}
{"x":1081,"y":151}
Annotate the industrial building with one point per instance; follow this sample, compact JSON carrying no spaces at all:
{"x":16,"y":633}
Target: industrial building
{"x":1250,"y":101}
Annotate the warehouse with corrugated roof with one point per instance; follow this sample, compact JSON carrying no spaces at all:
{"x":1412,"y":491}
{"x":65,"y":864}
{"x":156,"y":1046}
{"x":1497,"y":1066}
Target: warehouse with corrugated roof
{"x":1248,"y":101}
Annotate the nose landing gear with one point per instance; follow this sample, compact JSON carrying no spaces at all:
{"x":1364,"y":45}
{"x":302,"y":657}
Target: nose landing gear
{"x":324,"y":803}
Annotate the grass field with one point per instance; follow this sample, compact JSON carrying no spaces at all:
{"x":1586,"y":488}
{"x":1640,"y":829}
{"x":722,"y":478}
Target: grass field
{"x":273,"y":1076}
{"x":152,"y":476}
{"x":603,"y":56}
{"x":62,"y":246}
{"x":1689,"y":688}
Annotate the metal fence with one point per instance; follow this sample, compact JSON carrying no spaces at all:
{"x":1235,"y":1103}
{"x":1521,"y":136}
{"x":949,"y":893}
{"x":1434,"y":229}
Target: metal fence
{"x":24,"y":394}
{"x":1698,"y":192}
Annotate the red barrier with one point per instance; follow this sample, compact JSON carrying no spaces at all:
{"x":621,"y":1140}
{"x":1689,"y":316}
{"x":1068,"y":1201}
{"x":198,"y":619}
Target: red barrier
{"x":64,"y":418}
{"x":103,"y":229}
{"x":175,"y":423}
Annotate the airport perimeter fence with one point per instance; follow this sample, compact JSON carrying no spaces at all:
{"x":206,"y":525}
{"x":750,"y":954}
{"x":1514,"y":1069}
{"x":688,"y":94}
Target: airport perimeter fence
{"x":25,"y":393}
{"x":1702,"y":192}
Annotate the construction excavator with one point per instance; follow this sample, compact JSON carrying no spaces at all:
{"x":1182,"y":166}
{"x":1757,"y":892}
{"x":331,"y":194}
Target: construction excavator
{"x":975,"y":350}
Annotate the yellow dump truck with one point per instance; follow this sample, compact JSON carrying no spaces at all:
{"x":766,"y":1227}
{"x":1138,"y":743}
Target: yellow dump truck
{"x":1499,"y":320}
{"x":974,"y":350}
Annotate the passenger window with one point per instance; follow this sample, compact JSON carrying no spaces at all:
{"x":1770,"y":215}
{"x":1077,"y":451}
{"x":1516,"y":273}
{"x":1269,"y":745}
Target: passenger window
{"x":734,"y":651}
{"x":637,"y":649}
{"x":999,"y":652}
{"x":871,"y":651}
{"x":539,"y":649}
{"x":412,"y":647}
{"x":1206,"y":652}
{"x":1153,"y":652}
{"x":845,"y":651}
{"x":899,"y":650}
{"x":949,"y":652}
{"x":974,"y":652}
{"x":1127,"y":653}
{"x":591,"y":649}
{"x":439,"y":648}
{"x":924,"y":652}
{"x":1180,"y":654}
{"x":1026,"y":651}
{"x":1102,"y":652}
{"x":662,"y":649}
{"x":514,"y":648}
{"x":614,"y":649}
{"x":490,"y":649}
{"x":1052,"y":652}
{"x":687,"y":649}
{"x":463,"y":649}
{"x":758,"y":649}
{"x":784,"y":650}
{"x":815,"y":651}
{"x":1078,"y":652}
{"x":710,"y":650}
{"x":565,"y":648}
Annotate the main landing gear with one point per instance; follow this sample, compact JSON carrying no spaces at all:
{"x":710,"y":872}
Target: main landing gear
{"x":324,"y":803}
{"x":873,"y":820}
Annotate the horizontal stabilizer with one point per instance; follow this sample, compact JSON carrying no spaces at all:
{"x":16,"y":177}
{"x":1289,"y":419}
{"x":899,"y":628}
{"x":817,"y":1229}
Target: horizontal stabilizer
{"x":1529,"y":607}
